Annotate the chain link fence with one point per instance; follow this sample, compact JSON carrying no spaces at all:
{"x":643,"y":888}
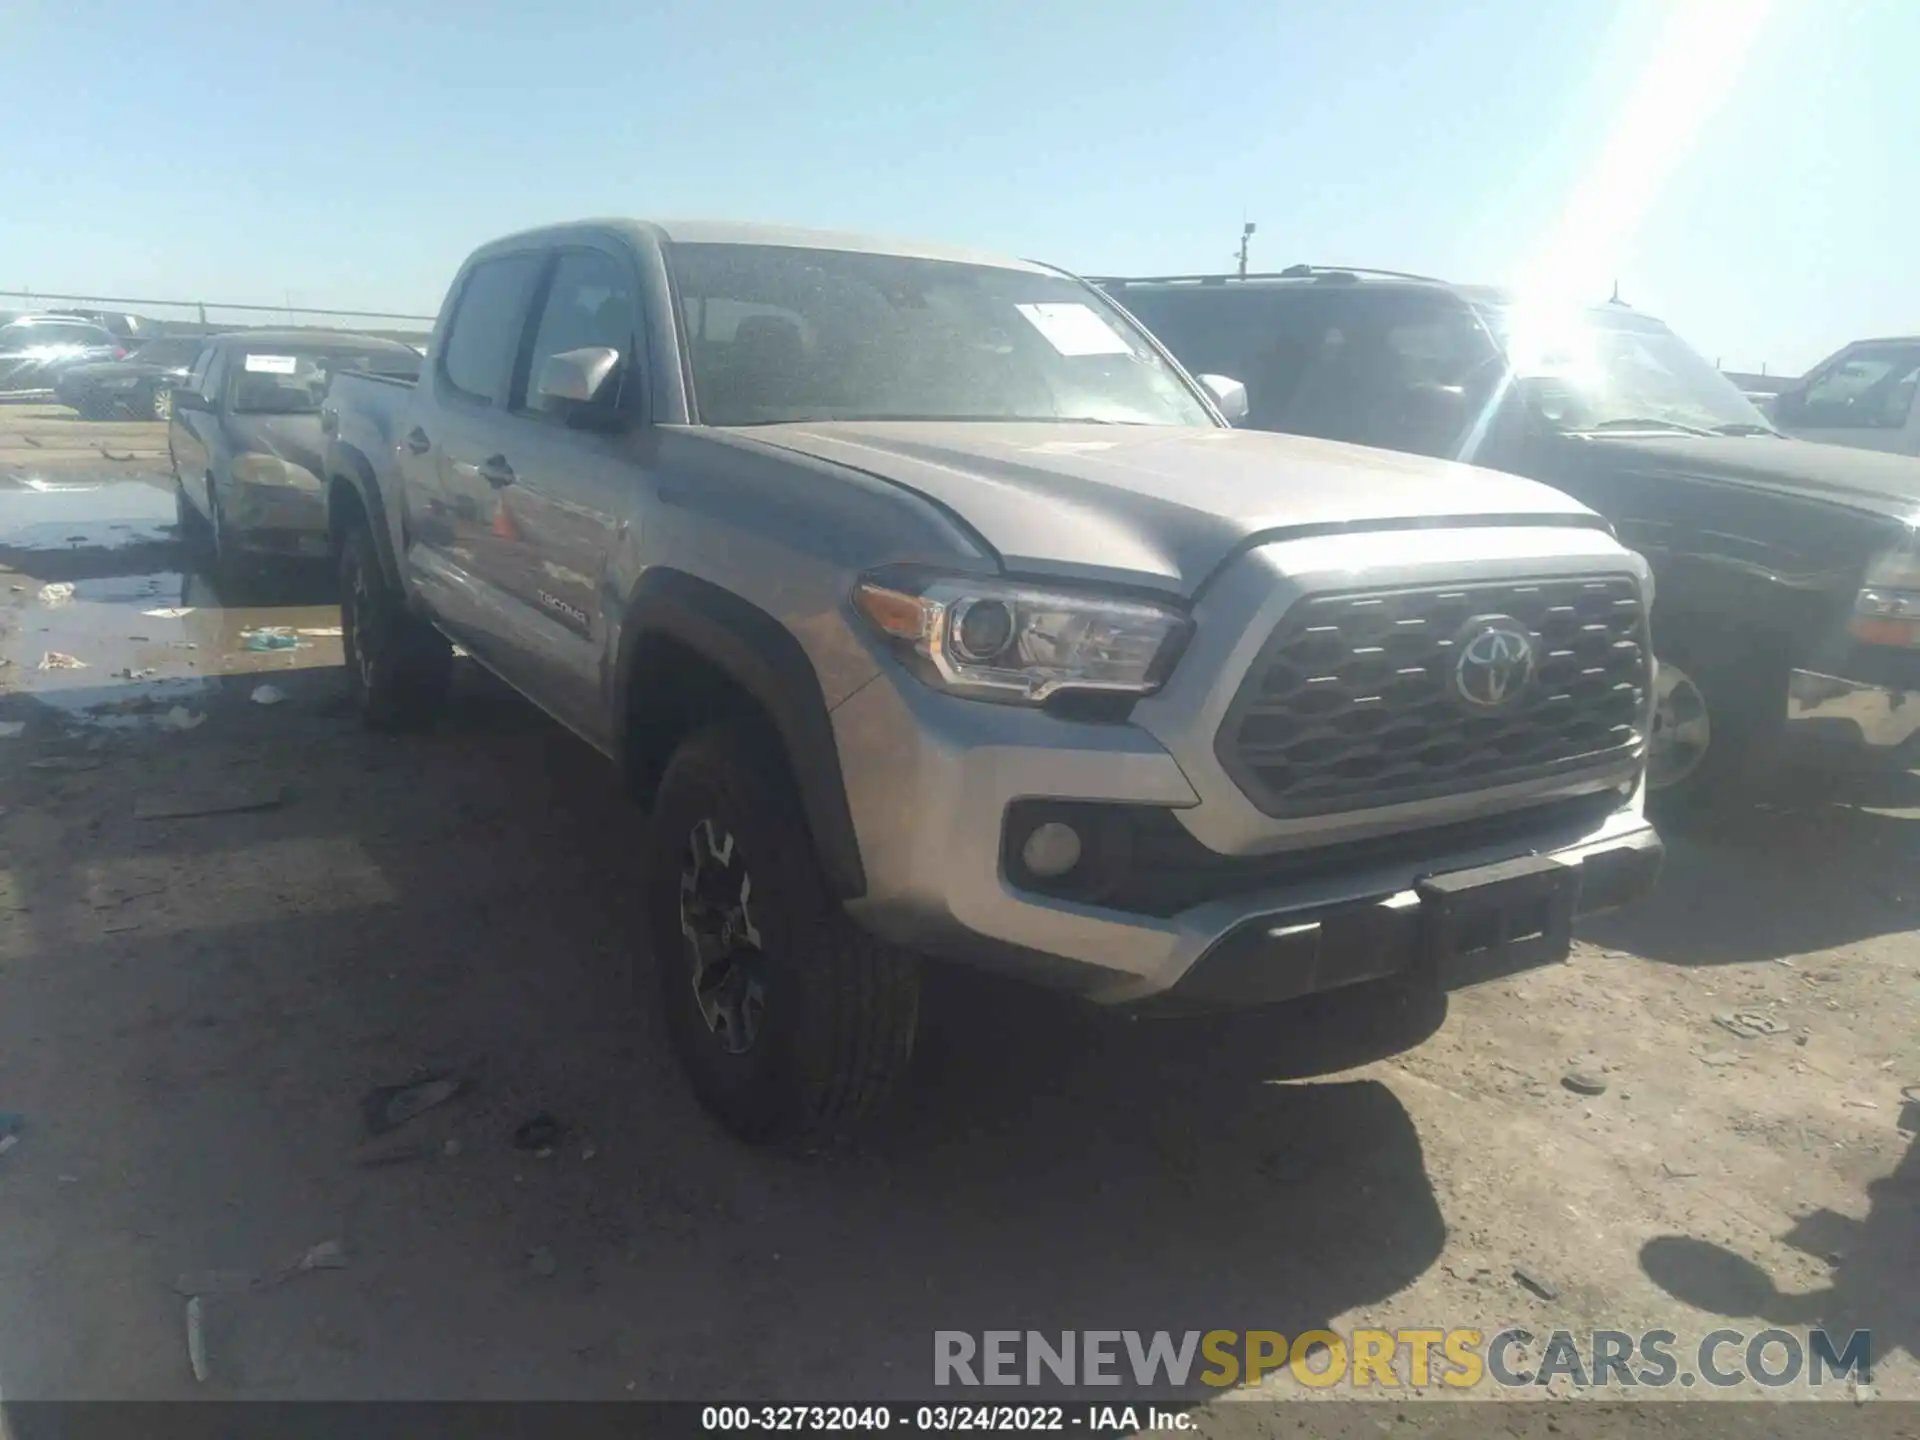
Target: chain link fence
{"x":139,"y":318}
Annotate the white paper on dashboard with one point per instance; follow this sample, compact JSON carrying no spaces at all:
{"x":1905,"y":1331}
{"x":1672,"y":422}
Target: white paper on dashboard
{"x":1074,"y":329}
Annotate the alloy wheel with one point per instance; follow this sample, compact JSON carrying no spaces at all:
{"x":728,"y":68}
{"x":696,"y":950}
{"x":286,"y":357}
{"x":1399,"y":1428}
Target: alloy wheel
{"x":723,"y":943}
{"x":360,"y":626}
{"x":1682,"y":728}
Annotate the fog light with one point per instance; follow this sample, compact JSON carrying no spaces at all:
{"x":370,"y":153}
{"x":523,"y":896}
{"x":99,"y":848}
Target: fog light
{"x":1051,"y":850}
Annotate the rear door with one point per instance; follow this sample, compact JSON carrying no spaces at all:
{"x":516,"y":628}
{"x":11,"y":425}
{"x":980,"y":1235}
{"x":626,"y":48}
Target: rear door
{"x":452,"y":453}
{"x":572,"y":473}
{"x":1863,"y":397}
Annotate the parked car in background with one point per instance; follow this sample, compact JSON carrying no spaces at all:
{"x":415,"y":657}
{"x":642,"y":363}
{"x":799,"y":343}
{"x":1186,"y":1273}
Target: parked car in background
{"x":1788,"y":625}
{"x":35,"y":349}
{"x":1863,"y":395}
{"x":244,"y":438}
{"x":139,"y":387}
{"x":127,"y":328}
{"x":933,"y":610}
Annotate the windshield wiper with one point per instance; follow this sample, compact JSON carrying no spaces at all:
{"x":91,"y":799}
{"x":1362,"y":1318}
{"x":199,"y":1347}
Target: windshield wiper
{"x":1744,"y":427}
{"x":1641,"y":422}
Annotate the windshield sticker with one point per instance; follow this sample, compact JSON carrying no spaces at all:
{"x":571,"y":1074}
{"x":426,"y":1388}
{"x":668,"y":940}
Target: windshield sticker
{"x":272,"y":364}
{"x":1075,"y":329}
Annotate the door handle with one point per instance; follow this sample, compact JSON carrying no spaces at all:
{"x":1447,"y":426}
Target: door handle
{"x":418,"y":442}
{"x":497,"y":472}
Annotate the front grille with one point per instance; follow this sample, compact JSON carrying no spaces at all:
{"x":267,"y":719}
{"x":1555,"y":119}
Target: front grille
{"x":1352,"y":702}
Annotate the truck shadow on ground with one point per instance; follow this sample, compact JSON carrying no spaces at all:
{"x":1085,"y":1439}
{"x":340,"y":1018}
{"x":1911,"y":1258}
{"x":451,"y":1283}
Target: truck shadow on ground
{"x":195,"y":1008}
{"x":1820,"y":876}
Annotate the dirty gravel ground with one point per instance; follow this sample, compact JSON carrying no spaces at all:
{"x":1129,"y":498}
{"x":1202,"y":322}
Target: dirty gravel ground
{"x":192,"y":1008}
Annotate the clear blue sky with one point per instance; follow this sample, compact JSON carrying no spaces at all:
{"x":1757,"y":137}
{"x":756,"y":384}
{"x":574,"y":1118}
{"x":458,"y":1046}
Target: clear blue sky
{"x":350,"y":152}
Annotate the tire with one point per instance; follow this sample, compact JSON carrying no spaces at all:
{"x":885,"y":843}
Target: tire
{"x":807,"y":1023}
{"x":160,"y":403}
{"x":398,"y":666}
{"x":1734,"y":697}
{"x":196,"y":535}
{"x":235,"y":572}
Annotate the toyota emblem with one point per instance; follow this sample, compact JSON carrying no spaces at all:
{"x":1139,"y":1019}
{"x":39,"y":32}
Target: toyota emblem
{"x":1495,"y":664}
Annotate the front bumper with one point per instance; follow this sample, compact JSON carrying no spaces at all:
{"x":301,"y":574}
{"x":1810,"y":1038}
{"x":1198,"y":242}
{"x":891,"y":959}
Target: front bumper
{"x":1850,"y":724}
{"x":930,"y":795}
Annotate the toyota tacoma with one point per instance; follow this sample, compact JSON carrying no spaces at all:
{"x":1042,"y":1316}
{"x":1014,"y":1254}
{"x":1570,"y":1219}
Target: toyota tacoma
{"x":931,"y":609}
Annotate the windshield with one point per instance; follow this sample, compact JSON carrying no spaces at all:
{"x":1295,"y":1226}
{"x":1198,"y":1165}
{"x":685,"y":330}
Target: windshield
{"x":172,"y":352}
{"x":1599,"y":370}
{"x":285,"y":381}
{"x":1393,"y":367}
{"x":780,"y":334}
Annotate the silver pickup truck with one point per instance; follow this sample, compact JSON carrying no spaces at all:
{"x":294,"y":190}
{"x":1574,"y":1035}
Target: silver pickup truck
{"x":931,"y":609}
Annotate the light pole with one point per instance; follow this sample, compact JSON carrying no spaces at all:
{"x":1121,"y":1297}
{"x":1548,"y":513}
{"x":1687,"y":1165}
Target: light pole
{"x":1246,"y":234}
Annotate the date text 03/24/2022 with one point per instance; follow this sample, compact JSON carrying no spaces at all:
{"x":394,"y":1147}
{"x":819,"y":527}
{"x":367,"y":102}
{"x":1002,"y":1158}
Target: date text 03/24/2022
{"x":945,"y":1419}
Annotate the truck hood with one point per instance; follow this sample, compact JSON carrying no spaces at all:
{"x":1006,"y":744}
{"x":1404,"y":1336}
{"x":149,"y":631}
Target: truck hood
{"x":1869,"y":481}
{"x":1162,"y":505}
{"x":295,"y":438}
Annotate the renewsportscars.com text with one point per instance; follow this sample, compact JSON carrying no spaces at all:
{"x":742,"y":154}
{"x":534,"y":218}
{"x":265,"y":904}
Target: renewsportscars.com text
{"x":1459,"y":1359}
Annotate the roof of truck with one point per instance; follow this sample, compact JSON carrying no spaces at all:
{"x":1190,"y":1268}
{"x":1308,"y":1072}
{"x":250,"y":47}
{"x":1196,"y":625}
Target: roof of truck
{"x":735,"y":232}
{"x":1291,"y":277}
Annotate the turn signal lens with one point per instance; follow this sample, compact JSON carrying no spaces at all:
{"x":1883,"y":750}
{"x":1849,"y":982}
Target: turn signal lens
{"x":902,"y":616}
{"x":1886,"y":617}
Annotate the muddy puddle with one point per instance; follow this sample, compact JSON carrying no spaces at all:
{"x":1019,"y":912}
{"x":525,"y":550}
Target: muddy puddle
{"x":101,"y":619}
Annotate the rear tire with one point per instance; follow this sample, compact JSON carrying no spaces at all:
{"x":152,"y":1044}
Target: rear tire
{"x":160,"y":403}
{"x":793,"y":1025}
{"x":398,"y":666}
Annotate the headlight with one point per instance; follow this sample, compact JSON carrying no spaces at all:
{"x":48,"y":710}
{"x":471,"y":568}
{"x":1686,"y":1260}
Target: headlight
{"x":253,"y":469}
{"x":1887,"y":609}
{"x":1019,"y":644}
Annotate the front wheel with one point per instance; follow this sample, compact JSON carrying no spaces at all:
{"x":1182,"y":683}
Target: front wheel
{"x":398,"y":666}
{"x":160,"y":403}
{"x":1716,"y":705}
{"x":793,"y":1025}
{"x":196,"y":534}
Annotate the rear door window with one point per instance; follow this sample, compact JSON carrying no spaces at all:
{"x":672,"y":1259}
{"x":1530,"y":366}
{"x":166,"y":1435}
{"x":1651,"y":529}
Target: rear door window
{"x":483,"y":334}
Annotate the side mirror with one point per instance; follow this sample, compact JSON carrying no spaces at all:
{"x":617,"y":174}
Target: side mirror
{"x":1229,"y":395}
{"x":577,"y":377}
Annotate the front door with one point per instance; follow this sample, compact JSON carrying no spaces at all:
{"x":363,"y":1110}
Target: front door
{"x":192,"y":432}
{"x":1864,"y":397}
{"x":571,"y":473}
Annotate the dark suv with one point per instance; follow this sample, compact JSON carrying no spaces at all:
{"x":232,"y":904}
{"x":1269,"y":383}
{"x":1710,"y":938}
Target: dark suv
{"x":1788,"y":619}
